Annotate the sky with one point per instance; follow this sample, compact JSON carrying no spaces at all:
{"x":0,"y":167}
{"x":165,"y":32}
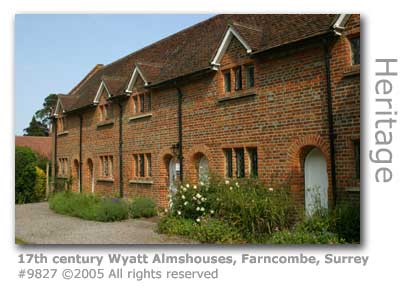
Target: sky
{"x":53,"y":52}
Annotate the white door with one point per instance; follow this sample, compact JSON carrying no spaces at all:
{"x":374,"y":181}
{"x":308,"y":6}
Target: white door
{"x":316,"y":181}
{"x":203,"y":170}
{"x":172,"y":177}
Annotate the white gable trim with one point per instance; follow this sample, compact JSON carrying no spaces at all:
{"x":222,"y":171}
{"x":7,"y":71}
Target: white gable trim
{"x":57,"y":107}
{"x":339,"y":24}
{"x":101,"y":88}
{"x":136,"y":72}
{"x":228,"y":36}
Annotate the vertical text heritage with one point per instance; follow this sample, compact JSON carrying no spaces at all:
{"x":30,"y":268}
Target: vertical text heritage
{"x":385,"y":118}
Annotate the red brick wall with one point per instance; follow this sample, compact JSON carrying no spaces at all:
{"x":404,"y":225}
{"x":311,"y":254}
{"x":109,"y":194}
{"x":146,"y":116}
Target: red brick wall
{"x":284,"y":116}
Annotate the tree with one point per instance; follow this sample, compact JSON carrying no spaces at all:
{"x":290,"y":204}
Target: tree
{"x":25,"y":177}
{"x":36,"y":128}
{"x":44,"y":114}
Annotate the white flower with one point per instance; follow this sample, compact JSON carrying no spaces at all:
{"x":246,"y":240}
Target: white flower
{"x":198,"y":219}
{"x":184,"y":189}
{"x":270,"y":189}
{"x":198,"y":195}
{"x":202,"y":209}
{"x":179,"y":213}
{"x":237,"y":185}
{"x":183,"y":197}
{"x":231,"y":188}
{"x":194,"y":198}
{"x":166,"y":210}
{"x":201,"y":184}
{"x":185,"y":203}
{"x":187,"y":185}
{"x":197,"y":208}
{"x":211,"y":211}
{"x":198,"y":202}
{"x":203,"y":199}
{"x":227,"y":182}
{"x":194,"y":187}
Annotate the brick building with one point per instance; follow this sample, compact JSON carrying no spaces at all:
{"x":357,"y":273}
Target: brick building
{"x":272,"y":96}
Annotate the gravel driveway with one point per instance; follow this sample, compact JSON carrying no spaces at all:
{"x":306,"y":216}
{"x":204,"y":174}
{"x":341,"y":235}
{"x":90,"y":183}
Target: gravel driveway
{"x":37,"y":224}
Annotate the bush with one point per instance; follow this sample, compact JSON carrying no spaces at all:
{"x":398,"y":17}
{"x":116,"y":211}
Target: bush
{"x":40,"y":184}
{"x":25,"y":175}
{"x":347,"y":222}
{"x":245,"y":204}
{"x":301,"y":236}
{"x":89,"y":206}
{"x":207,"y":231}
{"x":142,"y":207}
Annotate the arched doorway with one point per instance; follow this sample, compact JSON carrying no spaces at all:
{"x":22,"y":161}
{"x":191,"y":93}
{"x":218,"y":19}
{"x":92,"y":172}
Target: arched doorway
{"x":76,"y":176}
{"x":91,"y":178}
{"x":203,"y":169}
{"x":172,"y":176}
{"x":316,"y":181}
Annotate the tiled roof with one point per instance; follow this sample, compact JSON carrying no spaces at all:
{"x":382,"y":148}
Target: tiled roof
{"x":192,"y":49}
{"x":39,"y":144}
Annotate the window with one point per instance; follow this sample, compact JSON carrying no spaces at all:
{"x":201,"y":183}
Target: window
{"x":149,"y":164}
{"x":237,"y":78}
{"x":229,"y":162}
{"x":142,"y":165}
{"x":63,"y":167}
{"x":227,"y":81}
{"x":239,"y":162}
{"x":253,"y":162}
{"x":357,"y":157}
{"x":107,"y":165}
{"x":61,"y":124}
{"x":250,"y":76}
{"x":142,"y":103}
{"x":105,"y":112}
{"x":355,"y":50}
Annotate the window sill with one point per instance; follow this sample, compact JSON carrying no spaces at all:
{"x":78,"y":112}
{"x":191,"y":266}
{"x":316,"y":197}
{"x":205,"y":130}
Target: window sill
{"x":139,"y":181}
{"x":62,"y":133}
{"x":352,"y":70}
{"x":140,"y":116}
{"x":236,"y":96}
{"x":110,"y":180}
{"x":105,"y":123}
{"x":353,"y":189}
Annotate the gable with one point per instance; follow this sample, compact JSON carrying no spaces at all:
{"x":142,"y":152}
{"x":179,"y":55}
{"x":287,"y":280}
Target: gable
{"x":234,"y":53}
{"x":136,"y":75}
{"x":102,"y":94}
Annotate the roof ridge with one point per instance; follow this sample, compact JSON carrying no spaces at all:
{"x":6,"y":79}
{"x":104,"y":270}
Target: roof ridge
{"x":235,"y":23}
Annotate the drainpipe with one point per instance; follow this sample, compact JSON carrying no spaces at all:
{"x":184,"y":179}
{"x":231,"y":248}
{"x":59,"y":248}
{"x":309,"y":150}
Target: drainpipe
{"x":121,"y":182}
{"x":331,"y":133}
{"x":80,"y":165}
{"x":180,"y":141}
{"x":55,"y":152}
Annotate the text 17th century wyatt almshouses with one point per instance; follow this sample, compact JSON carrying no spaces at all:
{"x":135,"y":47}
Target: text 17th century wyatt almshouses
{"x":272,"y":96}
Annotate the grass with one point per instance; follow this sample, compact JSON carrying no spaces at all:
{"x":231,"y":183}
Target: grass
{"x":19,"y":241}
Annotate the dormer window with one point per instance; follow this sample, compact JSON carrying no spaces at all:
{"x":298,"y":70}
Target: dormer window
{"x":61,"y":124}
{"x":227,"y":81}
{"x":250,"y":76}
{"x":142,"y":103}
{"x":105,"y":111}
{"x":243,"y":78}
{"x":238,"y":79}
{"x":355,"y":50}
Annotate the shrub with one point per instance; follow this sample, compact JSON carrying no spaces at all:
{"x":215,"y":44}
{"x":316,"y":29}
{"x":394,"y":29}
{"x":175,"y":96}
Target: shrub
{"x":207,"y":231}
{"x":301,"y":236}
{"x":89,"y":206}
{"x":40,"y":184}
{"x":111,"y":209}
{"x":142,"y":207}
{"x":25,"y":175}
{"x":347,"y":222}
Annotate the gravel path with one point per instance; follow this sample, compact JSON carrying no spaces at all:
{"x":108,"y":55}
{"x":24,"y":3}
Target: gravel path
{"x":37,"y":224}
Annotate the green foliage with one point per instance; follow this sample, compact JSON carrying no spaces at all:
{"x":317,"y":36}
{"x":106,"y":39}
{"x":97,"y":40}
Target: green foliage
{"x":89,"y":206}
{"x":44,"y":113}
{"x":300,"y":236}
{"x":142,"y":207}
{"x":207,"y":231}
{"x":36,"y":128}
{"x":40,"y":184}
{"x":25,"y":175}
{"x":347,"y":222}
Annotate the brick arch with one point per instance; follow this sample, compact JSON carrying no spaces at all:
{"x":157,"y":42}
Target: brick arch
{"x":75,"y":168}
{"x":297,"y":153}
{"x":193,"y":157}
